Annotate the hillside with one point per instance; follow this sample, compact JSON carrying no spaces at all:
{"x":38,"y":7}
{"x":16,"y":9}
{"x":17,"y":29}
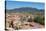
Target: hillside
{"x":27,"y":10}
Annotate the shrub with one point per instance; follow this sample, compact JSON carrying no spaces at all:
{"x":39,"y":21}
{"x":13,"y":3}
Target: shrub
{"x":39,"y":19}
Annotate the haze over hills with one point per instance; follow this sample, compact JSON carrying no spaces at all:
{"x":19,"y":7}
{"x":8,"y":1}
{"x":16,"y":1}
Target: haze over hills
{"x":26,"y":9}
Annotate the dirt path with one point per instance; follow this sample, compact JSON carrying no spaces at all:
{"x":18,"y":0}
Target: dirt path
{"x":32,"y":25}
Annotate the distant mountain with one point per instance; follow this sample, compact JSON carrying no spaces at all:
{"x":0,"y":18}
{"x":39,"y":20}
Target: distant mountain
{"x":26,"y":9}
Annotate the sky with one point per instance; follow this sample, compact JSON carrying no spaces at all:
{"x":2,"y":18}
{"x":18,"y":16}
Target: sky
{"x":19,"y":4}
{"x":29,"y":0}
